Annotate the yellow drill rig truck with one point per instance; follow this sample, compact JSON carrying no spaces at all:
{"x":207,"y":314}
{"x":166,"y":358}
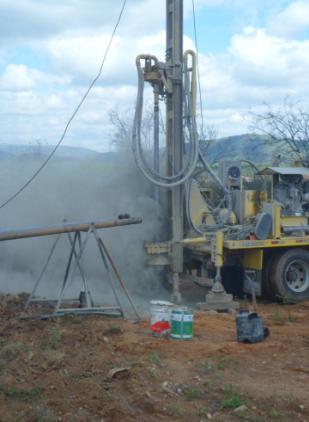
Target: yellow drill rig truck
{"x":266,"y":236}
{"x":254,"y":231}
{"x":264,"y":244}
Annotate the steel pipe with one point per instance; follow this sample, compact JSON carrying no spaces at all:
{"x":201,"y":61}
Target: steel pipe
{"x":65,"y":228}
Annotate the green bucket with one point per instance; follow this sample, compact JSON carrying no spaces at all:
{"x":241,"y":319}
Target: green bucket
{"x":182,"y":323}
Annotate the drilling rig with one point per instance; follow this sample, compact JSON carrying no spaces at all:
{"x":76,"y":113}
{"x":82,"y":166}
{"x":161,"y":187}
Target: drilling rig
{"x":257,"y":226}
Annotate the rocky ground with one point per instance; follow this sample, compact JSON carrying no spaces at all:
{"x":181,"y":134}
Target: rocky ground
{"x":106,"y":369}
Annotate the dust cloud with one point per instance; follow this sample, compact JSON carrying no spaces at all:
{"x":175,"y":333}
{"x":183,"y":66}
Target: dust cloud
{"x":79,"y":190}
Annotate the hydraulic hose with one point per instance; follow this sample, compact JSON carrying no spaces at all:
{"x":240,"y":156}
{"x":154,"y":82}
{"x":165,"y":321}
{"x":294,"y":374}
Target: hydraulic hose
{"x":153,"y":176}
{"x":206,"y":227}
{"x":190,"y":113}
{"x":227,"y":197}
{"x":183,"y":176}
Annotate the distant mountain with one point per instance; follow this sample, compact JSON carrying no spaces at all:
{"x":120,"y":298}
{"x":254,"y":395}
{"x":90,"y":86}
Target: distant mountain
{"x":10,"y":150}
{"x":251,"y":147}
{"x":248,"y":146}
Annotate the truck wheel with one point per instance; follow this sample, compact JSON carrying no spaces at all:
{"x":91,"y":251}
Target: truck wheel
{"x":289,"y":275}
{"x":267,"y":289}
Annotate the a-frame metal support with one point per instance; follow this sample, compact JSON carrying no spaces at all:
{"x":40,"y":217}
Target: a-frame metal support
{"x":85,"y":303}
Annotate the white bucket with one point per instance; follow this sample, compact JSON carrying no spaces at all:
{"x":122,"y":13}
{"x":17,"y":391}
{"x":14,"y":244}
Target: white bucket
{"x":160,"y":314}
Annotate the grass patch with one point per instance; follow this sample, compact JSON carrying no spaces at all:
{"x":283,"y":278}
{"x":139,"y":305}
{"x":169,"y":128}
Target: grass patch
{"x":54,"y":336}
{"x":224,"y":362}
{"x":152,"y":373}
{"x":287,"y":301}
{"x":201,"y":412}
{"x":21,"y":393}
{"x":233,"y":402}
{"x":241,"y":415}
{"x":232,"y":398}
{"x":112,"y":330}
{"x":278,"y":318}
{"x":281,"y":318}
{"x":208,"y":366}
{"x":11,"y":350}
{"x":155,"y":359}
{"x":274,"y":415}
{"x":291,"y":317}
{"x":176,"y":411}
{"x":53,"y":356}
{"x":73,"y":318}
{"x":191,"y":393}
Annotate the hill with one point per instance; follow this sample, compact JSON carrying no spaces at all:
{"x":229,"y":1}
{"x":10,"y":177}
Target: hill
{"x":11,"y":150}
{"x":251,"y":147}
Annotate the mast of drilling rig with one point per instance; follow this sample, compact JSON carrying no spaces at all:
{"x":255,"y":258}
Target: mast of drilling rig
{"x":174,"y":131}
{"x":166,"y":79}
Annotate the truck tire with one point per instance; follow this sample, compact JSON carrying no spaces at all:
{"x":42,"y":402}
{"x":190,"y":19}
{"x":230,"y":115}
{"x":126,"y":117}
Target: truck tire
{"x":267,"y":289}
{"x":289,"y":275}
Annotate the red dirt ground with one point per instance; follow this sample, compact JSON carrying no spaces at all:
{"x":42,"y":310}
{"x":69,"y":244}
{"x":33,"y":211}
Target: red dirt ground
{"x":59,"y":369}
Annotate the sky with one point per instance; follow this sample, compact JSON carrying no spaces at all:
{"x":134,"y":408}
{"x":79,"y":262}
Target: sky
{"x":251,"y":53}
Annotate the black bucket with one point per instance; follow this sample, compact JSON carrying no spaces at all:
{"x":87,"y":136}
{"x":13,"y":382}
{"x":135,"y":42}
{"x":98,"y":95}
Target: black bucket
{"x":250,"y":328}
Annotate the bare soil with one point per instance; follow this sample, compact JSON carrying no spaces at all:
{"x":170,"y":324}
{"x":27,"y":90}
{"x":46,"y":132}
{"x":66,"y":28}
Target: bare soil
{"x":105,"y":369}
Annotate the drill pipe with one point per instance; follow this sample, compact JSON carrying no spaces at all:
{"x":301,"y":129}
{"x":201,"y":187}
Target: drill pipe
{"x":64,"y":228}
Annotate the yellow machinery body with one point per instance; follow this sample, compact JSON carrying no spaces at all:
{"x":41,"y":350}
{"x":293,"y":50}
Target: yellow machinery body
{"x":287,"y":233}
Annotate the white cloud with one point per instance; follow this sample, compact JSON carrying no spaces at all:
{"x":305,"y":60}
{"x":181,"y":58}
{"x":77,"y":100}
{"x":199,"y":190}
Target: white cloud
{"x":261,"y":64}
{"x":263,"y":59}
{"x":22,"y":78}
{"x":36,"y":114}
{"x":34,"y":19}
{"x":292,"y":20}
{"x":257,"y":68}
{"x":18,"y":77}
{"x":80,"y":56}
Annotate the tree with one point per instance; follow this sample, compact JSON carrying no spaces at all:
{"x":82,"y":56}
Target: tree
{"x":121,"y":136}
{"x":122,"y":126}
{"x":122,"y":123}
{"x":286,"y":127}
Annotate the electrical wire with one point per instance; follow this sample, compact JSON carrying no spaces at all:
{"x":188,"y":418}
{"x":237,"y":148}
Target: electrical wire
{"x":36,"y":173}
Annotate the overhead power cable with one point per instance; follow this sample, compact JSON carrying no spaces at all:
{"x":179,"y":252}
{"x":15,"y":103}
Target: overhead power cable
{"x":36,"y":173}
{"x":198,"y":68}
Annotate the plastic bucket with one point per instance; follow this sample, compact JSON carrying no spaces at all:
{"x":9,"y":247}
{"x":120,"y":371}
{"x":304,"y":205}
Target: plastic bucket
{"x":182,"y":323}
{"x":160,"y":317}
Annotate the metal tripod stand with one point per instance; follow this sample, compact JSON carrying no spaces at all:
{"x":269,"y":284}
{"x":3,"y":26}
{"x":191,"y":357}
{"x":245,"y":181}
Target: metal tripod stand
{"x":86,"y":305}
